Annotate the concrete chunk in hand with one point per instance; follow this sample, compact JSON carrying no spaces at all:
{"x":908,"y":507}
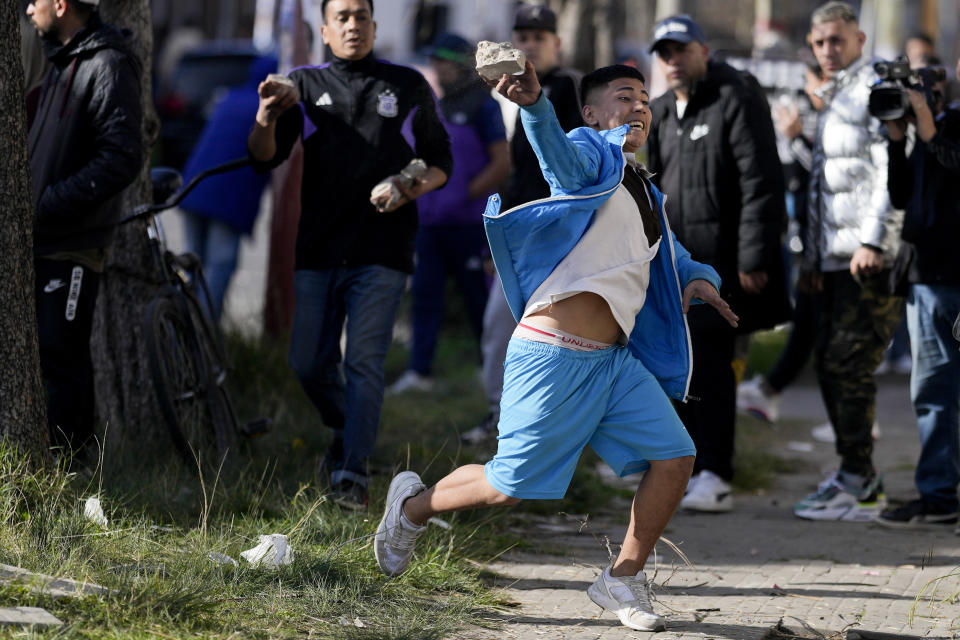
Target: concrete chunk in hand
{"x":408,"y":177}
{"x":497,"y":58}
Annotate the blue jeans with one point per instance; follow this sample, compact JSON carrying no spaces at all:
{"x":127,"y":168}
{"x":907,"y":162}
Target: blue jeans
{"x":935,"y":390}
{"x":216,"y":244}
{"x":348,"y":398}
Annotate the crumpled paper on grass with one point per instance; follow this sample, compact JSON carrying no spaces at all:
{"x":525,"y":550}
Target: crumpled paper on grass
{"x":93,"y":511}
{"x":273,"y":551}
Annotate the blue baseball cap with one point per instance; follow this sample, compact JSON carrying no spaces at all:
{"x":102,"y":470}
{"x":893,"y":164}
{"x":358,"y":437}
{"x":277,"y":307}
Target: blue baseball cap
{"x":679,"y":28}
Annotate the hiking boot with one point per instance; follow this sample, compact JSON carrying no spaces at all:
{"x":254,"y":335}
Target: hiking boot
{"x":840,"y":498}
{"x":629,"y":598}
{"x":396,"y":535}
{"x":825,"y":433}
{"x":349,"y":494}
{"x":410,"y":381}
{"x":758,"y":399}
{"x":486,"y":430}
{"x":707,"y":492}
{"x":918,"y":514}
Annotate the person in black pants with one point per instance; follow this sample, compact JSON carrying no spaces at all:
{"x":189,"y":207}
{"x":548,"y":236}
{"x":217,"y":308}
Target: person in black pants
{"x":761,"y":395}
{"x":85,"y":149}
{"x":712,"y":148}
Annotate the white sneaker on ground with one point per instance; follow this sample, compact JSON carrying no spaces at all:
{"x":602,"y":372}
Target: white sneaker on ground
{"x":707,"y":492}
{"x":824,"y":432}
{"x":629,"y":598}
{"x":410,"y":381}
{"x":836,"y":499}
{"x":753,"y":398}
{"x":396,"y":535}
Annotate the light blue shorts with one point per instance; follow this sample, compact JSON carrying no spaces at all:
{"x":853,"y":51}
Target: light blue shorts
{"x":557,"y":401}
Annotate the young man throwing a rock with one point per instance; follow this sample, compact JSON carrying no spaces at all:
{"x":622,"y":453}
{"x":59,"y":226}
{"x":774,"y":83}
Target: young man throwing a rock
{"x":600,"y":288}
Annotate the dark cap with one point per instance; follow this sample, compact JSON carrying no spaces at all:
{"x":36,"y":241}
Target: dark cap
{"x":679,"y":28}
{"x":450,"y":46}
{"x":535,"y":16}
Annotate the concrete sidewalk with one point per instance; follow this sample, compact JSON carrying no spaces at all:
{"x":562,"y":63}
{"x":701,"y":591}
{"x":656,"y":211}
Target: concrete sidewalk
{"x":758,"y":564}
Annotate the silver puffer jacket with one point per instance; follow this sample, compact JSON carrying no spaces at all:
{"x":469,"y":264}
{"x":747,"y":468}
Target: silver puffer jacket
{"x":848,"y":185}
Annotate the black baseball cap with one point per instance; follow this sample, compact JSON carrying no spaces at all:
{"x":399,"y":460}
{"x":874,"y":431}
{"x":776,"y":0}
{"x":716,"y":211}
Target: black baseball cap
{"x":679,"y":28}
{"x":535,"y":16}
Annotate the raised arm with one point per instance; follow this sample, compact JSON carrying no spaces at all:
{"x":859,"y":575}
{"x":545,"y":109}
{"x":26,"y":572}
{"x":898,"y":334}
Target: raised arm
{"x":275,"y":99}
{"x":566,"y":165}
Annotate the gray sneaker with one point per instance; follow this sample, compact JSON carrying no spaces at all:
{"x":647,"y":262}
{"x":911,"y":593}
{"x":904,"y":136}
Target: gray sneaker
{"x":396,"y":536}
{"x":629,"y":598}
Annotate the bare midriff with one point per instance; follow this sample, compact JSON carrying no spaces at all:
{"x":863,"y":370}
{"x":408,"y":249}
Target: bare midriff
{"x":586,"y":315}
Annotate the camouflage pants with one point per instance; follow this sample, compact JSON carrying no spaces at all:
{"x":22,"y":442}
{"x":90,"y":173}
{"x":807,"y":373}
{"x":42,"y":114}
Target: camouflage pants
{"x":858,"y":319}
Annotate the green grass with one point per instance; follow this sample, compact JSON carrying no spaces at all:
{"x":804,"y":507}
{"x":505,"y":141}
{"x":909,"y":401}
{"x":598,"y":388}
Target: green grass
{"x":153,"y":554}
{"x":164,"y":520}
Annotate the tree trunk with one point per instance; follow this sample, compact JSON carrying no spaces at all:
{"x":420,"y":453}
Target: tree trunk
{"x":127,"y":408}
{"x":23,"y":414}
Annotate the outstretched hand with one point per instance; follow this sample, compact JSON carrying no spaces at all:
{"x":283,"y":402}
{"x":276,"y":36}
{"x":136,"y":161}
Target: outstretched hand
{"x":523,"y":90}
{"x":703,"y":290}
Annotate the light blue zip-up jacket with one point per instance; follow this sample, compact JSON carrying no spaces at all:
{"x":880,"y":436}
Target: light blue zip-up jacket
{"x":583,"y":169}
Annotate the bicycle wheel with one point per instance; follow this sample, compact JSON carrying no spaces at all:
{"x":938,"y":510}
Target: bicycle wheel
{"x":189,"y":397}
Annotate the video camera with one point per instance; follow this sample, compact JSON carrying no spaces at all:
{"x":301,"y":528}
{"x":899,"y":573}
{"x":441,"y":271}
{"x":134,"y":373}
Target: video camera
{"x":889,"y":99}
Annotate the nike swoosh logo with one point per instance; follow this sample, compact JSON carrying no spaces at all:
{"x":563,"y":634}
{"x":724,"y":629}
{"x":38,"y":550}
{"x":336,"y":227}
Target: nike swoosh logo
{"x":53,"y":285}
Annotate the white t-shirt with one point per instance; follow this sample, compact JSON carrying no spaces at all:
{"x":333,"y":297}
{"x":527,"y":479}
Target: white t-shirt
{"x":611,"y":260}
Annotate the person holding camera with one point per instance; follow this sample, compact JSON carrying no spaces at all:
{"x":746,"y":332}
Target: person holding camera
{"x":925,"y":183}
{"x":852,"y":238}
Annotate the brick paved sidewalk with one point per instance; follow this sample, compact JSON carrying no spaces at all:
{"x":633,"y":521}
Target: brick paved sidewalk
{"x":756,"y":565}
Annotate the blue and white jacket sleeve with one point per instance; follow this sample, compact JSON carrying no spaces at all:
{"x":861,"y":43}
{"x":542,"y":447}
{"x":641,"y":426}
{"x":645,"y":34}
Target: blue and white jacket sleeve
{"x":568,"y":165}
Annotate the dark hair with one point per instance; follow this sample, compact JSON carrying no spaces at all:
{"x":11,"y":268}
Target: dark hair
{"x":83,"y":9}
{"x":919,"y":35}
{"x":605,"y":75}
{"x":323,"y":8}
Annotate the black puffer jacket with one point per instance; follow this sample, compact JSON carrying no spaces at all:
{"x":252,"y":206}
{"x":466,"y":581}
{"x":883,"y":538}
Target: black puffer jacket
{"x":85,"y":144}
{"x":724,"y":183}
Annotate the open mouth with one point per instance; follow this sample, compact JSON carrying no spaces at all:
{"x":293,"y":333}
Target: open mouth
{"x":637,"y":124}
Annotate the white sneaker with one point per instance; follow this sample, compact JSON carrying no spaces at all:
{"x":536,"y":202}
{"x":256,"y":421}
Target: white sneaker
{"x":629,"y":598}
{"x":410,"y":381}
{"x":834,"y":499}
{"x":824,"y":432}
{"x":707,"y":492}
{"x":396,"y":535}
{"x":752,"y":399}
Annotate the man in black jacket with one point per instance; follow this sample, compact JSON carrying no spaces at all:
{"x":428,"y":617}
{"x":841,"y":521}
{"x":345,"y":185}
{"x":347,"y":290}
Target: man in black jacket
{"x":85,"y":148}
{"x":352,"y":255}
{"x":927,"y":186}
{"x":713,"y":150}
